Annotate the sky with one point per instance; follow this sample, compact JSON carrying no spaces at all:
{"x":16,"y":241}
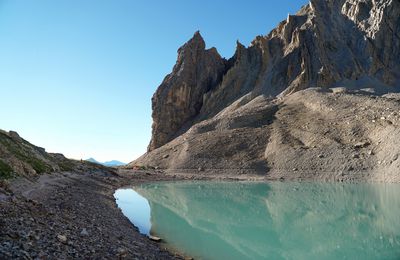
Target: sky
{"x":77,"y":76}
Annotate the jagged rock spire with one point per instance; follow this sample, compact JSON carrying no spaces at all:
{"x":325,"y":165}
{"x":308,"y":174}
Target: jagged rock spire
{"x":179,"y":98}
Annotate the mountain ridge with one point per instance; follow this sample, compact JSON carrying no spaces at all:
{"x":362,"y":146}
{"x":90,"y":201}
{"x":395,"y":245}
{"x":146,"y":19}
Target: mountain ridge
{"x":111,"y":163}
{"x":328,"y":45}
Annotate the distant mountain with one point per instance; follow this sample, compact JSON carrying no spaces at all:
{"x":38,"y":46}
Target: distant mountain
{"x":112,"y":163}
{"x":92,"y":160}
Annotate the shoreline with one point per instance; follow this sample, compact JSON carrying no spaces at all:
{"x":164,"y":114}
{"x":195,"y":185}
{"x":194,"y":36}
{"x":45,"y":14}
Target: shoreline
{"x":74,"y":215}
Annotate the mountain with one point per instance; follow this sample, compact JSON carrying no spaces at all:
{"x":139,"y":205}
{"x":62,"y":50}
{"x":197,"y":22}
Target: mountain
{"x":112,"y":163}
{"x":332,"y":55}
{"x":92,"y":160}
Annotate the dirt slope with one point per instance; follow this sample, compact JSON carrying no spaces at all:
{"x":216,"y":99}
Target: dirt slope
{"x":314,"y":133}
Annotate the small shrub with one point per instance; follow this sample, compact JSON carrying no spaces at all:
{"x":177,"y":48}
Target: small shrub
{"x":38,"y":165}
{"x":6,"y":171}
{"x":66,"y":166}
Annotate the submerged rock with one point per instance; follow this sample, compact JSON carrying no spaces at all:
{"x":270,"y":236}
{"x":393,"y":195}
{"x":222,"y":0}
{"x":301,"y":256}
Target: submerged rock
{"x":154,"y":238}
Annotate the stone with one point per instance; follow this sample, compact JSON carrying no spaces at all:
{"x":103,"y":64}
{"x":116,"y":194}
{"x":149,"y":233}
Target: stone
{"x":121,"y":252}
{"x":84,"y":232}
{"x":339,"y":90}
{"x":154,"y":238}
{"x":362,"y":144}
{"x":62,"y":238}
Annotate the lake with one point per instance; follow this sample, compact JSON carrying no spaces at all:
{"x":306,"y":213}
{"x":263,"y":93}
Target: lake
{"x":276,"y":220}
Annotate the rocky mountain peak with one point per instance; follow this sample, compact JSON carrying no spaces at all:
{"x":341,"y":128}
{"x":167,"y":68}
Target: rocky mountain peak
{"x":179,"y":98}
{"x":192,"y":47}
{"x":197,"y":38}
{"x":328,"y":43}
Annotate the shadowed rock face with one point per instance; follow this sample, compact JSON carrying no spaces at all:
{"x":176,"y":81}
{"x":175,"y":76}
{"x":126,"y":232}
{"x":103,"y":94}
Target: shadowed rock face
{"x":353,"y":44}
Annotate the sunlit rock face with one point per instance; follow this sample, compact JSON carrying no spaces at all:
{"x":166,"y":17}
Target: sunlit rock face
{"x":180,"y":96}
{"x":351,"y":43}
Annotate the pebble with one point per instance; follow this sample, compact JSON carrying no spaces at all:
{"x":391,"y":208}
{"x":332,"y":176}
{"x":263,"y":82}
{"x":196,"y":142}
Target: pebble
{"x":121,"y":252}
{"x":154,"y":238}
{"x":361,"y":145}
{"x":84,"y":232}
{"x":62,"y":238}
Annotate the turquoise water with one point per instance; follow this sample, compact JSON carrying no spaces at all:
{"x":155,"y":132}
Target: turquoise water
{"x":231,"y":220}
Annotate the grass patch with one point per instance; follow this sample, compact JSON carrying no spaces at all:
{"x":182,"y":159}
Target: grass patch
{"x":38,"y":165}
{"x":6,"y":172}
{"x":66,"y":166}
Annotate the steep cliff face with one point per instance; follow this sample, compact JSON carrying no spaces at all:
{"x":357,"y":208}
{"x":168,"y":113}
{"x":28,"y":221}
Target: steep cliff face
{"x":325,"y":43}
{"x":180,"y":96}
{"x":328,"y":43}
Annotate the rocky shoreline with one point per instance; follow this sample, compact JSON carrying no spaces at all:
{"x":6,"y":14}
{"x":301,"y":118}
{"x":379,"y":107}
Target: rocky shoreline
{"x":74,"y":215}
{"x":70,"y":215}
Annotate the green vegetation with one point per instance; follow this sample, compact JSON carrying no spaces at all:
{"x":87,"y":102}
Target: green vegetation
{"x":6,"y":171}
{"x":25,"y":153}
{"x":66,"y":166}
{"x":28,"y":154}
{"x":38,"y":165}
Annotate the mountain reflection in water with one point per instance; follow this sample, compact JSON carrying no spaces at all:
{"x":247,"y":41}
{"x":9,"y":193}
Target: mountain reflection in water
{"x":236,"y":220}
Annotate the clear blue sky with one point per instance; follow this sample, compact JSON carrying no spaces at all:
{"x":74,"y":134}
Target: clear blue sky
{"x":77,"y":76}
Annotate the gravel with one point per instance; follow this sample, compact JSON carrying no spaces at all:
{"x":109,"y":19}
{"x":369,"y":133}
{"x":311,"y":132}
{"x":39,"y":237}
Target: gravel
{"x":72,"y":215}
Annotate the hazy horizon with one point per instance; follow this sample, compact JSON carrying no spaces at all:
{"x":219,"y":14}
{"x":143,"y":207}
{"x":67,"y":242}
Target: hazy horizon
{"x":77,"y":77}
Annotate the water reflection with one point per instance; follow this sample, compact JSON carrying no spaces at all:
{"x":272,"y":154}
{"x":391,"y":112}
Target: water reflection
{"x":277,"y":220}
{"x":135,"y":207}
